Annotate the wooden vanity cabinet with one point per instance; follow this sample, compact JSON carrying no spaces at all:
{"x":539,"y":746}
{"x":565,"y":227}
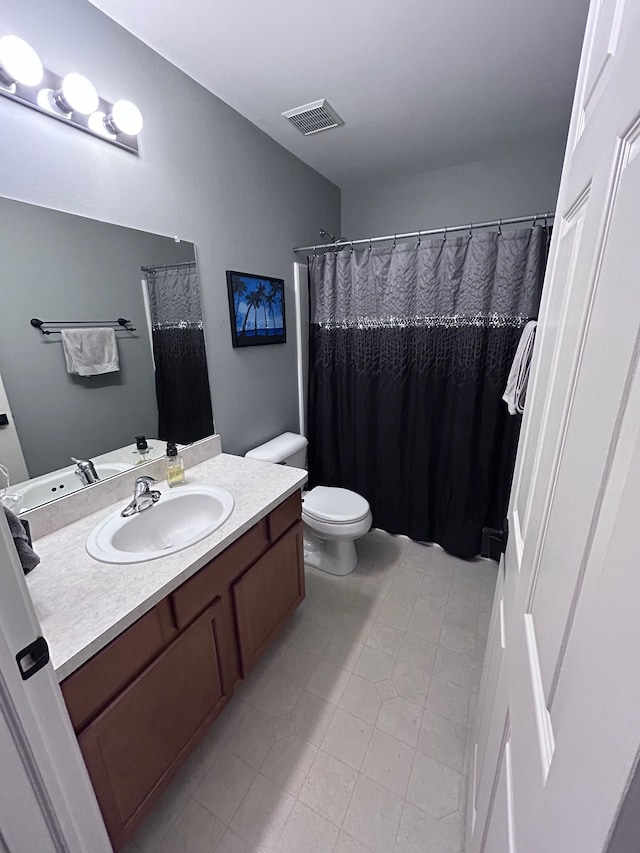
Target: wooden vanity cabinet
{"x":142,"y":703}
{"x":137,"y":743}
{"x":266,"y":595}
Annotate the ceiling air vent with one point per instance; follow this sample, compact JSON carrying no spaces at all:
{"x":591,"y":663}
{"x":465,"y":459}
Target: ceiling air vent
{"x":312,"y":118}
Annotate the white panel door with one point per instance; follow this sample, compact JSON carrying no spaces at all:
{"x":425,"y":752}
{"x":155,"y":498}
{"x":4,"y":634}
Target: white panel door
{"x":558,"y":734}
{"x":47,"y":804}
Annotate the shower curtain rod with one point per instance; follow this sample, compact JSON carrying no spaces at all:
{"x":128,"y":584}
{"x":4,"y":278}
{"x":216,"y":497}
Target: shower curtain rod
{"x":493,"y":223}
{"x":168,"y":266}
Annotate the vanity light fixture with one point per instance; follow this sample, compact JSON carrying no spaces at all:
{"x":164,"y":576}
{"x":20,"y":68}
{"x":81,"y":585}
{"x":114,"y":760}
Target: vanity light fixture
{"x":71,"y":98}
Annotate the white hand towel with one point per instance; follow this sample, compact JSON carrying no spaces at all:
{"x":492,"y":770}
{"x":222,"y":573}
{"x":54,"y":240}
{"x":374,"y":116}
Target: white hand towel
{"x":516,"y":390}
{"x":89,"y":352}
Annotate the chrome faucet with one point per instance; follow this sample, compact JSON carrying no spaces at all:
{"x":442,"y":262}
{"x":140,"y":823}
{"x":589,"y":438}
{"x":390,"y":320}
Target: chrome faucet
{"x":86,"y":471}
{"x":143,"y":497}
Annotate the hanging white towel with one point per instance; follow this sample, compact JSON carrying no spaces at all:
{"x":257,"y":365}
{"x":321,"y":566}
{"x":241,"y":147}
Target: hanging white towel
{"x":516,"y":390}
{"x":89,"y":352}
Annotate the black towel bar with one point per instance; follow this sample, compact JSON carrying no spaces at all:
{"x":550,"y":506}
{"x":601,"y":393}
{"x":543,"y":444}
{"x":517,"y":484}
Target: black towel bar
{"x":120,"y":323}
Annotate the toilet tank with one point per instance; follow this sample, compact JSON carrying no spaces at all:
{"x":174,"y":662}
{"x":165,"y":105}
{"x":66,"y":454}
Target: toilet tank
{"x":286,"y":449}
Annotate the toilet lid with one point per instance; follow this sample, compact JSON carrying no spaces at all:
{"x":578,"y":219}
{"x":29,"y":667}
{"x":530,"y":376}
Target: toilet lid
{"x":328,"y":503}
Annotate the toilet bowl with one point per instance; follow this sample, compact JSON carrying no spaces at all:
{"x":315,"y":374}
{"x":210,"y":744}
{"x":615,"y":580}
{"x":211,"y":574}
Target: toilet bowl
{"x":333,"y":517}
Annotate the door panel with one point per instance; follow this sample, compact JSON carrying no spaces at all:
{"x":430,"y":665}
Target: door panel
{"x":547,"y":743}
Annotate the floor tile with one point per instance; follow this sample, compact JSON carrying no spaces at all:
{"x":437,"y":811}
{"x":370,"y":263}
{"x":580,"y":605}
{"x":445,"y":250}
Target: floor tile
{"x":410,"y":682}
{"x":362,"y":699}
{"x":283,"y":726}
{"x":431,"y":603}
{"x":373,"y":816}
{"x":328,"y":787}
{"x":425,"y":626}
{"x":347,"y":738}
{"x":312,"y":637}
{"x":443,"y":740}
{"x":385,"y":639}
{"x":297,"y":665}
{"x":328,"y":681}
{"x":374,"y":665}
{"x":347,"y":844}
{"x":253,"y":738}
{"x":453,"y":666}
{"x":401,"y":719}
{"x":224,"y":786}
{"x":388,"y":762}
{"x":393,"y":615}
{"x":311,"y":717}
{"x":418,"y":652}
{"x":262,"y":814}
{"x":277,"y":697}
{"x":433,"y":788}
{"x":156,"y":825}
{"x":401,"y":596}
{"x":343,"y":651}
{"x":196,"y":830}
{"x":387,"y":689}
{"x":461,"y":616}
{"x":419,"y":833}
{"x":307,"y":832}
{"x":232,"y":843}
{"x":449,"y":700}
{"x":452,"y":827}
{"x":288,"y":763}
{"x":457,"y":639}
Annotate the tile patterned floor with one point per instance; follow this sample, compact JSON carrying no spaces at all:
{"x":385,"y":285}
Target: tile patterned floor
{"x":353,"y":733}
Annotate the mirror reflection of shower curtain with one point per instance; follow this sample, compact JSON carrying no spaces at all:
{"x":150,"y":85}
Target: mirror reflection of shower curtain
{"x":410,"y":350}
{"x":182,"y":381}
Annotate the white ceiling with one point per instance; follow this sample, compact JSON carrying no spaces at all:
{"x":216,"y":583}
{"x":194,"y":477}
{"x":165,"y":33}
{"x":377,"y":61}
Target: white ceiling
{"x":420,"y":84}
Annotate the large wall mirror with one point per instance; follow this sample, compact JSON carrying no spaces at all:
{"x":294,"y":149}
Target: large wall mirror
{"x":67,"y":271}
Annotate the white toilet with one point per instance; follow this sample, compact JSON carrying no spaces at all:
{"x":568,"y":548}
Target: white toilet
{"x":333,"y":518}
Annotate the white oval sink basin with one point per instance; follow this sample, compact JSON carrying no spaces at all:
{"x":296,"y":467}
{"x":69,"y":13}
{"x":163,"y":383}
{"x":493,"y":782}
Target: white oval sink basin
{"x":57,"y":484}
{"x":179,"y":519}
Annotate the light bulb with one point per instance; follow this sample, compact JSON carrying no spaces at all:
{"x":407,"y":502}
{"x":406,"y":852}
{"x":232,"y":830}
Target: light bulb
{"x":77,"y":95}
{"x":98,"y":124}
{"x":126,"y":118}
{"x":19,"y":63}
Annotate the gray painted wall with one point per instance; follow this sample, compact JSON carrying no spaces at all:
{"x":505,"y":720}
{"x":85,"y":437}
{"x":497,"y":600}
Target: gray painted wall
{"x":513,"y":183}
{"x":204,"y":173}
{"x":57,"y":266}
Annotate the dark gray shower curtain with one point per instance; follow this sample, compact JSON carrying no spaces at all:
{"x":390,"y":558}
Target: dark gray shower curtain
{"x":182,"y":380}
{"x":410,"y":351}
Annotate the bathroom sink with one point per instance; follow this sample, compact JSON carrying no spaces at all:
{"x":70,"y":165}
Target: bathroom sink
{"x":179,"y":519}
{"x":62,"y":482}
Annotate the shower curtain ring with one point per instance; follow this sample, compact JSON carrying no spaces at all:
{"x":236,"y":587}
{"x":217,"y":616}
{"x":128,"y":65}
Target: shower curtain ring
{"x":535,"y":219}
{"x":369,"y":243}
{"x":351,"y":248}
{"x":444,"y":236}
{"x":500,"y":226}
{"x":470,"y":230}
{"x":419,"y":240}
{"x":394,"y":241}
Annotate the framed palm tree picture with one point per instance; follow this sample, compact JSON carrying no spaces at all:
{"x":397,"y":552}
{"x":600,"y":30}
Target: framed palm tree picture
{"x":256,"y":306}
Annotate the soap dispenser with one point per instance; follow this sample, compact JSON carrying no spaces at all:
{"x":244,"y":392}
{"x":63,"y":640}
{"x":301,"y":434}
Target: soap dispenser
{"x":142,"y":449}
{"x":174,"y":465}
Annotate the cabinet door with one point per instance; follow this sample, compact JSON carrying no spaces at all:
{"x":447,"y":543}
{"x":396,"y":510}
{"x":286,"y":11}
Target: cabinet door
{"x":267,"y":594}
{"x":134,"y":746}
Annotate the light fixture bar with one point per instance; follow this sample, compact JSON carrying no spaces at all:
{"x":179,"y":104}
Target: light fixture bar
{"x":45,"y":98}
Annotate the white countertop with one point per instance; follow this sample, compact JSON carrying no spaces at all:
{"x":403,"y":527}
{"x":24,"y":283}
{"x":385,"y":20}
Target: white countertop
{"x":83,"y":604}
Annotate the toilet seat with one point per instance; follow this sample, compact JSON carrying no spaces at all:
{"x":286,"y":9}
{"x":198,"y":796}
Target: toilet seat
{"x":332,"y":505}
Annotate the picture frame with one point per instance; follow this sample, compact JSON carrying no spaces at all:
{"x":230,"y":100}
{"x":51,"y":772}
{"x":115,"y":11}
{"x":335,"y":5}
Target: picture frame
{"x":256,"y":309}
